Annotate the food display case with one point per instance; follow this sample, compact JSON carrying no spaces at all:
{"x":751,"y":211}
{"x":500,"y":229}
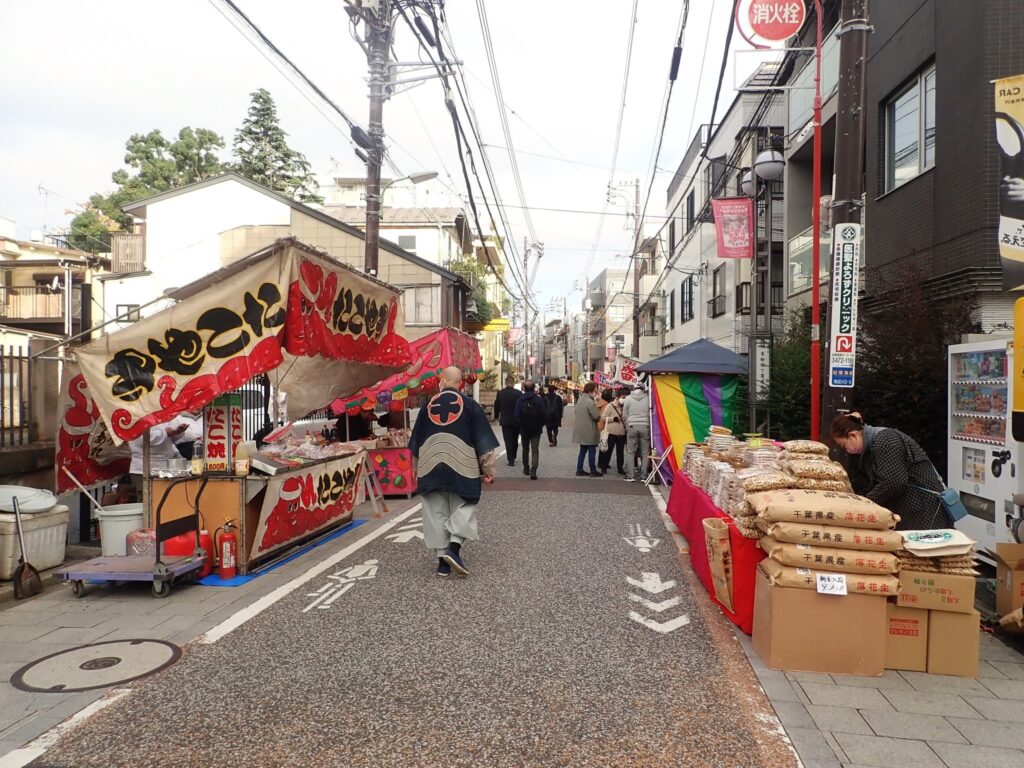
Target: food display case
{"x":983,"y":456}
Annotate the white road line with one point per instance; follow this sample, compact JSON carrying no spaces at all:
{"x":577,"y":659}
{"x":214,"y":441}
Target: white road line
{"x":234,"y":622}
{"x":658,"y":499}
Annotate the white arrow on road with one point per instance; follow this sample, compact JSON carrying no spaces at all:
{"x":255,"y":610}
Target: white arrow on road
{"x":405,"y":536}
{"x":651,"y":582}
{"x":660,"y":626}
{"x":664,"y":605}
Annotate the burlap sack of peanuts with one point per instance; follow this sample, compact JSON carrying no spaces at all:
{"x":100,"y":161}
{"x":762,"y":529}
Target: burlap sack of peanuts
{"x":847,"y":510}
{"x":829,"y":558}
{"x":768,"y":481}
{"x":818,"y":470}
{"x":780,"y":575}
{"x":832,"y":536}
{"x":805,"y":446}
{"x":813,"y":484}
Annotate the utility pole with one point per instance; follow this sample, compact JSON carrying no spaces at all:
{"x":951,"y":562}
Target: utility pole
{"x":849,"y":162}
{"x":636,"y":272}
{"x":378,"y":38}
{"x":526,"y":308}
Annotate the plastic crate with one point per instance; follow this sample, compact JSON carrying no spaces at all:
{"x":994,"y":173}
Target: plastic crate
{"x":45,"y":539}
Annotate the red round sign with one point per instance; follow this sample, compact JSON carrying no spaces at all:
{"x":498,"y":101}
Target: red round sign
{"x":776,"y":20}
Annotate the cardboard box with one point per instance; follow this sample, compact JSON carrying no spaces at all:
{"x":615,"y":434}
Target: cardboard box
{"x":906,"y":639}
{"x":953,"y":643}
{"x":936,"y":591}
{"x":801,"y":630}
{"x":1009,"y":578}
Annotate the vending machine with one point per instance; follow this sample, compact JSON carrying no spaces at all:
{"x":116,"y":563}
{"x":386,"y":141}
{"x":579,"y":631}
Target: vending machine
{"x":984,"y":460}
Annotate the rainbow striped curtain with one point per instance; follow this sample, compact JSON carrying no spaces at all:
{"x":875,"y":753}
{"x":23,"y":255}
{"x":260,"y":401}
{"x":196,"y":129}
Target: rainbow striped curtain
{"x":685,"y":405}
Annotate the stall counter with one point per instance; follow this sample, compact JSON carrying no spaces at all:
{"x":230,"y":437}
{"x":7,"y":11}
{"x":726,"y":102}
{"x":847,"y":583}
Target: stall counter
{"x":272,"y":512}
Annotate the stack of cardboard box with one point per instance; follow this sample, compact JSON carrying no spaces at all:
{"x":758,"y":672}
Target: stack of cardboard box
{"x":820,"y":597}
{"x":932,"y":625}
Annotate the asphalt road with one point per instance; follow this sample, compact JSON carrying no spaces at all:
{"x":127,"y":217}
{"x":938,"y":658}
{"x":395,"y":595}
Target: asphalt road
{"x":533,"y":660}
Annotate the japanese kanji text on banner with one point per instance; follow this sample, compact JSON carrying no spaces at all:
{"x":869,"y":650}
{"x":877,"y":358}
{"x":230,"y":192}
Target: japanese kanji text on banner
{"x":845,"y":266}
{"x":734,"y":224}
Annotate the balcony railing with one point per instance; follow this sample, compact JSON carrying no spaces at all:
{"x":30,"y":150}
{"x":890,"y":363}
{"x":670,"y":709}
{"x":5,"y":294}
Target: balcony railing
{"x":743,"y":298}
{"x":716,"y":306}
{"x":127,"y":252}
{"x":37,"y":303}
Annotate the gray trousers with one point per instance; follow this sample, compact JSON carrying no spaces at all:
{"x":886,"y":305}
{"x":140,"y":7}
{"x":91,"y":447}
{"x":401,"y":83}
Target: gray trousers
{"x":638,"y":436}
{"x":447,"y":518}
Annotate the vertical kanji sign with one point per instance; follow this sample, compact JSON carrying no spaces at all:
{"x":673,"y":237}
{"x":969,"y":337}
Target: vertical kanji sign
{"x":845,"y":266}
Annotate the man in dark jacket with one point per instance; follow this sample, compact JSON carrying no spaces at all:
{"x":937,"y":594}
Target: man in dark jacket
{"x":531,"y":415}
{"x":505,"y":413}
{"x":556,"y":408}
{"x":454,"y":447}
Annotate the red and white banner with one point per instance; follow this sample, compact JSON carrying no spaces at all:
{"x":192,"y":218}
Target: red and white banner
{"x":84,"y":446}
{"x":302,"y":502}
{"x":626,"y":370}
{"x":734,"y":225}
{"x":337,"y":329}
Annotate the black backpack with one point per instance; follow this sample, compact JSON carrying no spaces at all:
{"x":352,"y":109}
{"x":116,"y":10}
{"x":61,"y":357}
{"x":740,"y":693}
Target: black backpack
{"x":532,"y":418}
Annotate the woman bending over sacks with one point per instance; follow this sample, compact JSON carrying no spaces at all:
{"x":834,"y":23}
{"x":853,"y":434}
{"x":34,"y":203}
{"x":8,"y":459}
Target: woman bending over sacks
{"x":897,"y":470}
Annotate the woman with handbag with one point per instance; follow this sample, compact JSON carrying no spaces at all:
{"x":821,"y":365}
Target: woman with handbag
{"x":613,"y":433}
{"x":897,"y":473}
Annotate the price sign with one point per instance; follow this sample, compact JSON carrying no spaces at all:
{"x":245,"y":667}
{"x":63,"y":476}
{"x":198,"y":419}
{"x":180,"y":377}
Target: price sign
{"x":831,"y":583}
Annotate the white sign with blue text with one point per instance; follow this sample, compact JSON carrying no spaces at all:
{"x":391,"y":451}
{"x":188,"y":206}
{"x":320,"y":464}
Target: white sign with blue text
{"x":843,"y":336}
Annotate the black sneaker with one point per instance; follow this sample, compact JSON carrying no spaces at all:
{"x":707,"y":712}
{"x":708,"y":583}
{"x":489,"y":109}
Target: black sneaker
{"x":533,"y":475}
{"x":582,"y":474}
{"x":454,"y":562}
{"x":596,"y":474}
{"x":526,"y":470}
{"x":443,"y":569}
{"x":512,"y":463}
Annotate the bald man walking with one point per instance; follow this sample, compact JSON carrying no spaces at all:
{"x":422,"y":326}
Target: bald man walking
{"x":454,"y":447}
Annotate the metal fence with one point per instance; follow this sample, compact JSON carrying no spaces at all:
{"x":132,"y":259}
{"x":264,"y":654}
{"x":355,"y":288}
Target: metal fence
{"x":15,"y":398}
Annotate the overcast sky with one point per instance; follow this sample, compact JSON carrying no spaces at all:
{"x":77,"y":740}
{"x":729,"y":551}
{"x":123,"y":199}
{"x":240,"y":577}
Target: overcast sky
{"x":77,"y":79}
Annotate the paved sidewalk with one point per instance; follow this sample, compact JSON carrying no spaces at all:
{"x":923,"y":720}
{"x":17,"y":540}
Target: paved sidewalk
{"x":906,"y":719}
{"x":55,"y":621}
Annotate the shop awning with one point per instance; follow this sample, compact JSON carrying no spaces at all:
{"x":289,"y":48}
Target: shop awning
{"x":702,"y":356}
{"x":430,"y":355}
{"x":322,"y":327}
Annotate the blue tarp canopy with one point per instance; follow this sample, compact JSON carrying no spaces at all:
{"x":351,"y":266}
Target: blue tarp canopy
{"x":702,"y":356}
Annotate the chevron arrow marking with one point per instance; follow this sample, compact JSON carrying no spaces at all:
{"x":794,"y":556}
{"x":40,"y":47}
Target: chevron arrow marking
{"x":651,"y":582}
{"x":664,"y":605}
{"x":404,"y":536}
{"x":662,"y":627}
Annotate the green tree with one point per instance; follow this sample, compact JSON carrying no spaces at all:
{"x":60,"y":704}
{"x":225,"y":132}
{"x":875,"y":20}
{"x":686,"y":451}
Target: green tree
{"x":154,"y":165}
{"x":789,"y":393}
{"x":902,"y":368}
{"x":475,"y":275}
{"x":264,"y":156}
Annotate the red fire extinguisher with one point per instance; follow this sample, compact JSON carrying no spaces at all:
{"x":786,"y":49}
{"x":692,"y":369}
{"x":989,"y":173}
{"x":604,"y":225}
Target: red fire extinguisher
{"x":227,"y":548}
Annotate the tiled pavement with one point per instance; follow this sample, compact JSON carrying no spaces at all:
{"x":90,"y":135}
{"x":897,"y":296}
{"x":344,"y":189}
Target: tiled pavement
{"x":909,"y":719}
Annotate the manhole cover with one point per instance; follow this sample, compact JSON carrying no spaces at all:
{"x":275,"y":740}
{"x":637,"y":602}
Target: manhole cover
{"x":100,"y":665}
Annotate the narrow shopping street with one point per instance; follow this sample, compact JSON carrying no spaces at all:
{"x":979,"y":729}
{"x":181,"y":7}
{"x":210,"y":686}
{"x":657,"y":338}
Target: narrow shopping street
{"x":573,"y":642}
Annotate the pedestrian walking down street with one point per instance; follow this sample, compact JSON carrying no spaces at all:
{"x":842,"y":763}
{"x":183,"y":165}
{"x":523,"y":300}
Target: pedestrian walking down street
{"x":505,"y":413}
{"x":584,"y":430}
{"x":897,"y":472}
{"x":636,"y":414}
{"x":531,"y":415}
{"x":454,"y":447}
{"x":556,"y":409}
{"x":612,"y":424}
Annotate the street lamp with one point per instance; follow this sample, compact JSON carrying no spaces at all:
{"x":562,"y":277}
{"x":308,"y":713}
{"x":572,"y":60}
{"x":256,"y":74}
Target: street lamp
{"x":770,"y":166}
{"x":373,"y":217}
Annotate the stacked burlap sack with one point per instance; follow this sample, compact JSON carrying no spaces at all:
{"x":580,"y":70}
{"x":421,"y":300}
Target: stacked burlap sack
{"x":807,"y":531}
{"x":946,"y":551}
{"x":808,"y":462}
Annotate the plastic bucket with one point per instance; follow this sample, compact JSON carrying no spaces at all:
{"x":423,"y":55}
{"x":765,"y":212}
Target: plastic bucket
{"x":116,"y":522}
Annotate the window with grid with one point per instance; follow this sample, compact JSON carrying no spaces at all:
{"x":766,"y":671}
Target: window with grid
{"x":422,"y":304}
{"x":686,"y":300}
{"x":910,"y":130}
{"x":131,"y":310}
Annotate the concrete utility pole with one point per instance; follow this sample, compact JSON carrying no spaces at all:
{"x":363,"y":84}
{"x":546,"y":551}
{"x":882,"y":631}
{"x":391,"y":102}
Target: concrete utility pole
{"x":849,"y":159}
{"x":378,"y":38}
{"x":636,"y":271}
{"x":526,"y":308}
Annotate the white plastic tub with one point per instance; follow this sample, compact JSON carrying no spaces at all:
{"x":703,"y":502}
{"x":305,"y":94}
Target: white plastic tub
{"x":45,"y":537}
{"x":116,"y":522}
